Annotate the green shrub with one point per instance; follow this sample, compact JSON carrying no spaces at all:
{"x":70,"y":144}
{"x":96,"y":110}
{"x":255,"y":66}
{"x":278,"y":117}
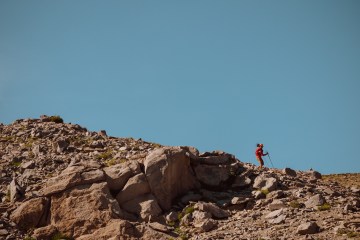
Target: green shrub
{"x":60,"y":236}
{"x":295,"y":204}
{"x":324,"y":207}
{"x":29,"y":238}
{"x":264,"y":191}
{"x":105,"y":155}
{"x":16,"y":163}
{"x":189,"y":209}
{"x":56,"y":119}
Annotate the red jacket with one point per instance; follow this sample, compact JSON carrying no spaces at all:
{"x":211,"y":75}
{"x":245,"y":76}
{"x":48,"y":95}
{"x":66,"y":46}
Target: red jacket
{"x":259,"y":152}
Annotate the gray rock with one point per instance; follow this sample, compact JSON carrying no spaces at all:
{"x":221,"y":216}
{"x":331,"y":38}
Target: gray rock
{"x":169,"y":174}
{"x":274,"y":214}
{"x":135,"y":187}
{"x":119,"y":174}
{"x":308,"y":228}
{"x":263,"y":182}
{"x":241,"y":182}
{"x":206,"y":225}
{"x":61,"y":145}
{"x":211,"y":208}
{"x":16,"y":192}
{"x":289,"y":172}
{"x":314,"y":201}
{"x":172,"y":217}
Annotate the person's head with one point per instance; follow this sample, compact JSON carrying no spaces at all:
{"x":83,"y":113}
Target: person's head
{"x":260,"y":145}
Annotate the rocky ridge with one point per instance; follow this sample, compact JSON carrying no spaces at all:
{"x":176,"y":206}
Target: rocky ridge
{"x":61,"y":181}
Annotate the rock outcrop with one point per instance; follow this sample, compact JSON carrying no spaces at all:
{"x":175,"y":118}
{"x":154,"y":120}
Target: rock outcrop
{"x":59,"y":180}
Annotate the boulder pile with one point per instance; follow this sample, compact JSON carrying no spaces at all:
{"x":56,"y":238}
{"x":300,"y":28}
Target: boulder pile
{"x":60,"y":181}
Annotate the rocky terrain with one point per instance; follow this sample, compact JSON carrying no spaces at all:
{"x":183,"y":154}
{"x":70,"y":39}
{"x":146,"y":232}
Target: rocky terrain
{"x":60,"y":181}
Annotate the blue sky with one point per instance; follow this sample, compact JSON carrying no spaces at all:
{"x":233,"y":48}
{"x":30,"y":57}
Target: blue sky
{"x":210,"y":74}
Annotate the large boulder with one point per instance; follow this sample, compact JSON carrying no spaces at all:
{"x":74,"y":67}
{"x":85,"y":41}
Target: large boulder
{"x":145,"y":207}
{"x":71,"y":177}
{"x":136,"y":186}
{"x":212,"y":175}
{"x":115,"y":229}
{"x":119,"y":174}
{"x":83,"y":209}
{"x":265,"y":182}
{"x":169,"y":174}
{"x":31,"y":213}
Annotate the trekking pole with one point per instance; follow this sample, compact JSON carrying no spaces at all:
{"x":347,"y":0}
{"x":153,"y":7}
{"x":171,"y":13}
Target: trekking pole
{"x":270,"y":160}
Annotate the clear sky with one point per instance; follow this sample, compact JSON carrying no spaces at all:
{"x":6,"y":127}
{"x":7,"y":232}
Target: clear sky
{"x":217,"y":75}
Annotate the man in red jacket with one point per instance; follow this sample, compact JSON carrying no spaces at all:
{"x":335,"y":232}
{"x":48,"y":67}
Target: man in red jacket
{"x":259,"y":153}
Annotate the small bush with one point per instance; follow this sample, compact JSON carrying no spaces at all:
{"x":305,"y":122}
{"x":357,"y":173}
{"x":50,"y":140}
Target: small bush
{"x":29,"y":238}
{"x":295,"y":204}
{"x":105,"y":155}
{"x":110,"y":162}
{"x":60,"y":236}
{"x":264,"y":191}
{"x":189,"y":209}
{"x":324,"y":207}
{"x":56,"y":119}
{"x":16,"y":163}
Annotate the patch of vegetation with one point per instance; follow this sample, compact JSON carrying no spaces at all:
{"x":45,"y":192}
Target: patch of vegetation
{"x":56,"y":119}
{"x":60,"y":236}
{"x":182,"y":234}
{"x":110,"y":162}
{"x":264,"y":191}
{"x":324,"y":207}
{"x":180,"y":216}
{"x":189,"y":209}
{"x":16,"y":163}
{"x":7,"y":139}
{"x":171,"y":224}
{"x":295,"y":204}
{"x":29,"y":238}
{"x":105,"y":155}
{"x":7,"y":197}
{"x":348,"y":233}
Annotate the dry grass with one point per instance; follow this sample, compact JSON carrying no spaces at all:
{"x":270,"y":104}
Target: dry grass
{"x":345,"y":179}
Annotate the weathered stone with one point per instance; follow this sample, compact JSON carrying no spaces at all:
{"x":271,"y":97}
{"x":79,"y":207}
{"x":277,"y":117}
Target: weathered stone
{"x":136,"y":186}
{"x":315,"y":174}
{"x":200,"y":216}
{"x":172,"y":217}
{"x":278,"y":220}
{"x":213,"y":175}
{"x":241,"y":182}
{"x":61,"y":145}
{"x":206,"y":225}
{"x":119,"y":174}
{"x":83,"y":209}
{"x":274,"y":214}
{"x":186,"y":220}
{"x":145,"y":207}
{"x":263,"y":182}
{"x":275,"y":194}
{"x":45,"y":233}
{"x":159,"y":227}
{"x":69,"y":179}
{"x":16,"y":192}
{"x":28,"y":165}
{"x":314,"y":201}
{"x":214,"y":210}
{"x":191,"y":197}
{"x":113,"y":230}
{"x":30,"y":214}
{"x":169,"y":174}
{"x":276,"y":204}
{"x":289,"y":172}
{"x":308,"y":228}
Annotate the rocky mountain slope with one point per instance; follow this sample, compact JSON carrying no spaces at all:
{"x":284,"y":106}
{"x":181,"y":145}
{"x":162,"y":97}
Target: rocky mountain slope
{"x":60,"y":181}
